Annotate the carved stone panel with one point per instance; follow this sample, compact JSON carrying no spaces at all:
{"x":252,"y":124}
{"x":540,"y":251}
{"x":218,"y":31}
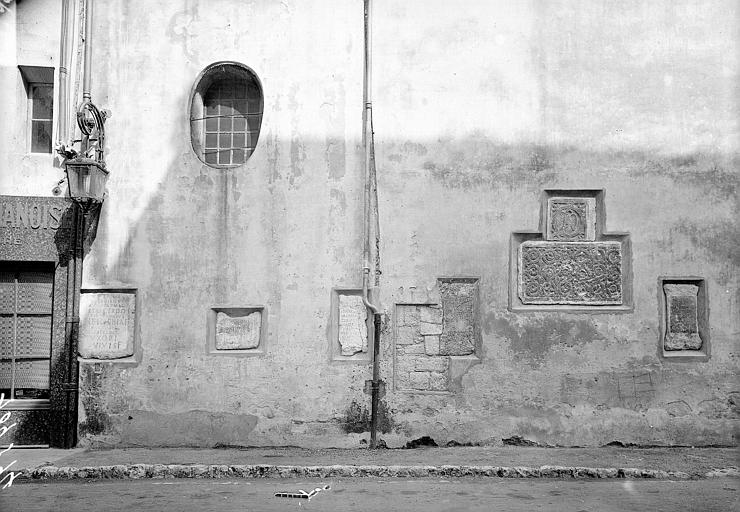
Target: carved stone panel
{"x":571,"y":219}
{"x":107,"y":325}
{"x":588,"y":273}
{"x":682,"y":332}
{"x":458,"y":320}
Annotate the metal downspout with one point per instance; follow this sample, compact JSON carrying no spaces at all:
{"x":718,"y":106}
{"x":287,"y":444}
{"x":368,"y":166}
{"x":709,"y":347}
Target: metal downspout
{"x":369,"y":187}
{"x":88,"y":51}
{"x":63,"y":74}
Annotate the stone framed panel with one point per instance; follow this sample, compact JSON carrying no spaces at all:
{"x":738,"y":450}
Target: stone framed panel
{"x":237,"y":330}
{"x":684,"y":319}
{"x":572,"y":264}
{"x":109,"y":326}
{"x":351,"y":329}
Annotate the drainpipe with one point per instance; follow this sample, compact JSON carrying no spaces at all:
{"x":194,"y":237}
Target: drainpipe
{"x":88,"y":51}
{"x":369,"y":188}
{"x":63,"y":74}
{"x":87,"y":70}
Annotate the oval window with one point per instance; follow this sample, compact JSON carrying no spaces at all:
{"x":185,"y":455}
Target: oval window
{"x":225,"y":114}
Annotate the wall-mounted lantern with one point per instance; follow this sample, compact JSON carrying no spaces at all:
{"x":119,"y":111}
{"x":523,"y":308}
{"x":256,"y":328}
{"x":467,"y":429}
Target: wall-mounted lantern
{"x":86,"y":171}
{"x":86,"y":178}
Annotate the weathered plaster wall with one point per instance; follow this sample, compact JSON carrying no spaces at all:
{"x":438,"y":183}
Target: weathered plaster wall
{"x":477,"y":110}
{"x":279,"y":232}
{"x":478,"y":113}
{"x":29,"y":36}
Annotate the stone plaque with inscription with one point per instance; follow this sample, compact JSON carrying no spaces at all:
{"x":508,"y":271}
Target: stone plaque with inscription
{"x":352,"y":325}
{"x":107,"y":325}
{"x":238,"y":331}
{"x":571,"y":219}
{"x":682,"y":331}
{"x":588,"y":273}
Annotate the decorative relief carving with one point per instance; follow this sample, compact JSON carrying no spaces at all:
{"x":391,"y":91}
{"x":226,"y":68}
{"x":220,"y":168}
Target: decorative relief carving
{"x":571,"y":219}
{"x":459,"y":305}
{"x":587,"y":273}
{"x":573,"y":264}
{"x":682,"y":331}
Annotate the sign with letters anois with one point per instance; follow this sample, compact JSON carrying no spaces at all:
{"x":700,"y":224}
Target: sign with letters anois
{"x":30,"y":226}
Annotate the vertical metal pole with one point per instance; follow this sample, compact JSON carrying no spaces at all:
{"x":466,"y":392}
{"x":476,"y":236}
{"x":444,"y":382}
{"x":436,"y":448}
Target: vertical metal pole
{"x":86,"y":95}
{"x":74,"y":366}
{"x":376,"y":383}
{"x":74,"y":277}
{"x":63,"y":77}
{"x":88,"y":51}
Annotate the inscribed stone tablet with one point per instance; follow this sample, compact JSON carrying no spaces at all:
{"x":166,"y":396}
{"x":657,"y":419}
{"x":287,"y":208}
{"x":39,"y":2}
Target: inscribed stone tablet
{"x":352,"y":325}
{"x":238,"y":332}
{"x":107,"y":322}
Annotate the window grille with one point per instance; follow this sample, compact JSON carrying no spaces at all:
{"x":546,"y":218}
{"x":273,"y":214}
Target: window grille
{"x":226,"y":115}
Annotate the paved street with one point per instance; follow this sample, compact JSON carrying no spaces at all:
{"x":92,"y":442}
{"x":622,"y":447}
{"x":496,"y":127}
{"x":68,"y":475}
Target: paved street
{"x":371,"y":494}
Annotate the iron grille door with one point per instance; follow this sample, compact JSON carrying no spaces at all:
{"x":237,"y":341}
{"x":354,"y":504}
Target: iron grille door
{"x":26,"y":305}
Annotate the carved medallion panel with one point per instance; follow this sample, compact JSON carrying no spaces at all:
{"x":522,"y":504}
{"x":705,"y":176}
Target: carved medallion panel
{"x":571,"y":219}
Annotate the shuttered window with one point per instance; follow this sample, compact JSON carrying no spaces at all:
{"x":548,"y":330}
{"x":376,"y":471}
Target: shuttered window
{"x":41,"y":110}
{"x":26,"y":297}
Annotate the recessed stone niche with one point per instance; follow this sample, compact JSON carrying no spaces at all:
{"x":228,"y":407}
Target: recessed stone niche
{"x":571,"y":263}
{"x":432,"y":341}
{"x":237,"y":330}
{"x":351,"y":328}
{"x":107,"y":324}
{"x":684,"y":317}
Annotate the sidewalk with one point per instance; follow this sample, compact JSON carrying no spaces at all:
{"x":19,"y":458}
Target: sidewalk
{"x":507,"y":462}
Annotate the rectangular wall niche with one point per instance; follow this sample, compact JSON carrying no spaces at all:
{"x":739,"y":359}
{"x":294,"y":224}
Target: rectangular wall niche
{"x":431,"y":340}
{"x":571,"y":263}
{"x":107,"y":324}
{"x":684,"y":318}
{"x":237,"y":330}
{"x":351,"y":328}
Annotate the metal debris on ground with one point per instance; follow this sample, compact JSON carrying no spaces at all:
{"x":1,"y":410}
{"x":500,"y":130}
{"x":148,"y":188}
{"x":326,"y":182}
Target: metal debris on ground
{"x":301,"y":494}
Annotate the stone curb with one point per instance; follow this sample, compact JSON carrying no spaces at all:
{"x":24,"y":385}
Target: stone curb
{"x":159,"y":471}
